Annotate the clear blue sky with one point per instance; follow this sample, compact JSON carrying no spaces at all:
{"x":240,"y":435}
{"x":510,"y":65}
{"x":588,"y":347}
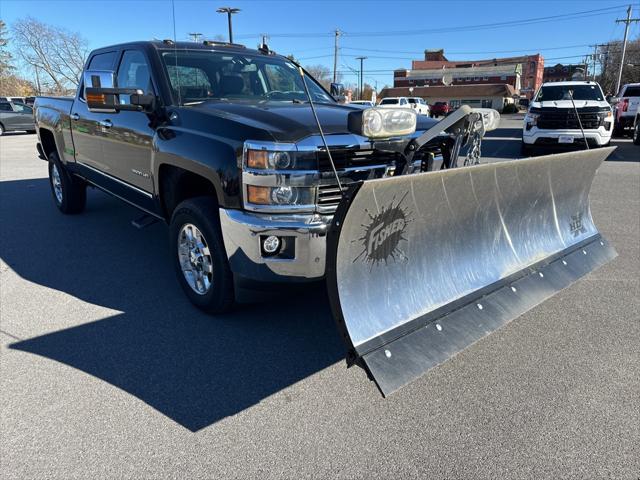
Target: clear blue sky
{"x":104,"y":22}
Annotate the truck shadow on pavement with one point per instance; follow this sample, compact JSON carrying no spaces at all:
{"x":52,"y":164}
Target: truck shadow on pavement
{"x":194,"y":368}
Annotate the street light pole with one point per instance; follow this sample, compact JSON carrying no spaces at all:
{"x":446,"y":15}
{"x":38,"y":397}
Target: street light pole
{"x":335,"y":56}
{"x":229,"y":11}
{"x":362,"y":59}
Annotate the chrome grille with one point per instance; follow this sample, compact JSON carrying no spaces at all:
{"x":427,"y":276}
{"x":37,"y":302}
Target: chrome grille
{"x":329,"y":197}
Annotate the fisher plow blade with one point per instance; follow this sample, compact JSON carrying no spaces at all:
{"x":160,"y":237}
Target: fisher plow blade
{"x":421,"y":266}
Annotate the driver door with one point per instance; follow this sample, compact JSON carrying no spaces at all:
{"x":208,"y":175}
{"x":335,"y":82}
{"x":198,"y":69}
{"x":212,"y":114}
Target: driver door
{"x":128,"y":141}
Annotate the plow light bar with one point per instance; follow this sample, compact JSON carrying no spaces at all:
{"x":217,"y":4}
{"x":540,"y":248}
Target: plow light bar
{"x":490,"y":118}
{"x":383,"y":123}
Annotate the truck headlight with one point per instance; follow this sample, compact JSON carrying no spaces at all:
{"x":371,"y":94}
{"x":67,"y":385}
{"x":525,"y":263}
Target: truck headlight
{"x":285,"y":159}
{"x":383,"y":122}
{"x":531,"y":120}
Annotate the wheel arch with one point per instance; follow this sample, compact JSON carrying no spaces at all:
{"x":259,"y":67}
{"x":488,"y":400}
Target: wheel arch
{"x":48,"y":142}
{"x":190,"y":164}
{"x":176,"y":184}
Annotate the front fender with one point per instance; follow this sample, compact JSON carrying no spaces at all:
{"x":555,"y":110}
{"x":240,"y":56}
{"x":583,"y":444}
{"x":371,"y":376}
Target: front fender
{"x":203,"y":154}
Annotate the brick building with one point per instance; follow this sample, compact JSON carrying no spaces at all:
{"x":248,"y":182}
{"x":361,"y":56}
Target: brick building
{"x":523,"y":73}
{"x":563,"y":73}
{"x":480,"y":95}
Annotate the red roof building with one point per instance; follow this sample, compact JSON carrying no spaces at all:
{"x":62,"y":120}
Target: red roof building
{"x":523,"y":73}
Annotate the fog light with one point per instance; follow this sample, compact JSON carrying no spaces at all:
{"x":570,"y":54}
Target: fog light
{"x":271,"y":244}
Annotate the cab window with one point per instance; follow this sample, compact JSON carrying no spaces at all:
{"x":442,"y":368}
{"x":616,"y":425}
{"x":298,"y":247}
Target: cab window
{"x":134,"y":72}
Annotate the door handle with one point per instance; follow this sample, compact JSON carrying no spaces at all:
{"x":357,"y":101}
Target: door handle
{"x":74,"y":116}
{"x":106,"y":123}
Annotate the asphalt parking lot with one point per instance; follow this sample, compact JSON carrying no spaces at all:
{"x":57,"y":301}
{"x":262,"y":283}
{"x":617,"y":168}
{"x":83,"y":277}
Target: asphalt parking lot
{"x":107,"y":371}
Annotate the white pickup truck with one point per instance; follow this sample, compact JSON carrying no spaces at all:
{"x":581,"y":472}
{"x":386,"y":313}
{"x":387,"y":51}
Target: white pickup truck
{"x":416,"y":103}
{"x":552,"y":121}
{"x":627,"y":107}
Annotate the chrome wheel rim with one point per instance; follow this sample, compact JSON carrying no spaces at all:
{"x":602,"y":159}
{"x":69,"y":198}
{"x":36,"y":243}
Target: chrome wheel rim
{"x":57,"y":184}
{"x":195,"y":259}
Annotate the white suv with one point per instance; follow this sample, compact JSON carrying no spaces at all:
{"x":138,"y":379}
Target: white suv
{"x":627,"y":104}
{"x":551,"y":120}
{"x":416,"y":103}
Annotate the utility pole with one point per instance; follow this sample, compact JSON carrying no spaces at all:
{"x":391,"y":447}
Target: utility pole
{"x":195,"y":37}
{"x":594,"y":57}
{"x":335,"y":56}
{"x":362,"y":59}
{"x":229,"y":11}
{"x":626,"y":22}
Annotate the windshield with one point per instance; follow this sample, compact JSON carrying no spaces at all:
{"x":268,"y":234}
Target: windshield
{"x":199,"y":75}
{"x":389,"y":101}
{"x":561,"y":92}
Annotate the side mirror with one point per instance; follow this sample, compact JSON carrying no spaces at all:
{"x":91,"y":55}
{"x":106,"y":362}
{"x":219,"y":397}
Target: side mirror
{"x":614,"y":100}
{"x":337,"y":91}
{"x":102,"y":96}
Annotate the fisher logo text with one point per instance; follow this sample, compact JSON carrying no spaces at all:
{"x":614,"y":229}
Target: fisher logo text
{"x":576,"y":225}
{"x":382,"y":236}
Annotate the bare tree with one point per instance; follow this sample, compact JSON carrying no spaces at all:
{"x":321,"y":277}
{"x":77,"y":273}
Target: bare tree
{"x":610,"y":58}
{"x":58,"y":54}
{"x":321,"y":73}
{"x":5,"y":56}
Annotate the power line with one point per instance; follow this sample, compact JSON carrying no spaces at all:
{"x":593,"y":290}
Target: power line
{"x":467,"y":28}
{"x":485,"y":52}
{"x":511,"y":23}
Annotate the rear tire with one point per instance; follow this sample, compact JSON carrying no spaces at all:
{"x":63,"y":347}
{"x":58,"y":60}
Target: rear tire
{"x":1,"y":129}
{"x":199,"y":256}
{"x":636,"y":132}
{"x":69,"y":192}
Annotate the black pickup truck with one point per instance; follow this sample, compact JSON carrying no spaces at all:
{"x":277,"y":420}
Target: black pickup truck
{"x":220,"y":142}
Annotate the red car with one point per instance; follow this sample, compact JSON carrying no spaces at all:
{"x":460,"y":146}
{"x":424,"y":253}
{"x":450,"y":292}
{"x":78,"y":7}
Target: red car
{"x":440,"y":109}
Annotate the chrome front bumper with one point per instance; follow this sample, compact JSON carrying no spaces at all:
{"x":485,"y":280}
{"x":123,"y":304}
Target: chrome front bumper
{"x":305,"y":235}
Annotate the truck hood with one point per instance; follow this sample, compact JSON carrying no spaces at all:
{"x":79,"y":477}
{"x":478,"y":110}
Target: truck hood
{"x":288,"y":122}
{"x":568,"y":104}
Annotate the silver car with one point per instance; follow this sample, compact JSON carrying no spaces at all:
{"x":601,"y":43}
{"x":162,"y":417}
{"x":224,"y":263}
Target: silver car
{"x":16,"y":116}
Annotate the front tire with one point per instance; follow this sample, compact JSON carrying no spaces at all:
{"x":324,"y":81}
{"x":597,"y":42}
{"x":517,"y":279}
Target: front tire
{"x":69,"y":193}
{"x":199,"y":256}
{"x":1,"y":129}
{"x":636,"y":133}
{"x":526,"y":150}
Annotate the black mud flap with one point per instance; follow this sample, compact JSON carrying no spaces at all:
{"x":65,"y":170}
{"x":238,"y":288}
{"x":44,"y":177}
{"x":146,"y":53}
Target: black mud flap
{"x":421,"y":266}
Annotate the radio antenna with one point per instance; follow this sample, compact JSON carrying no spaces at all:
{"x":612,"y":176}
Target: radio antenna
{"x":586,"y":144}
{"x":175,"y":50}
{"x":315,"y":116}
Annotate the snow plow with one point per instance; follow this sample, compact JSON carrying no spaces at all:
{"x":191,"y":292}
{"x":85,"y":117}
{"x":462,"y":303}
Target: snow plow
{"x":421,"y":266}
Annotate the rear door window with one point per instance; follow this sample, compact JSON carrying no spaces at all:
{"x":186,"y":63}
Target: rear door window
{"x":632,"y":92}
{"x":103,"y":61}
